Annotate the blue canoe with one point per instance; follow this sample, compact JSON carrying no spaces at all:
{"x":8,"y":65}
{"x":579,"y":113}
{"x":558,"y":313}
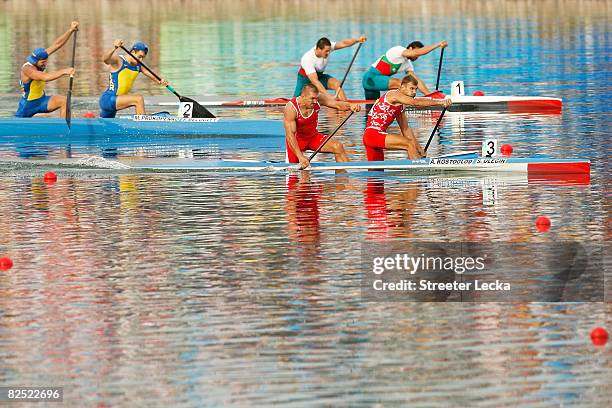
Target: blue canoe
{"x":34,"y":136}
{"x":135,"y":126}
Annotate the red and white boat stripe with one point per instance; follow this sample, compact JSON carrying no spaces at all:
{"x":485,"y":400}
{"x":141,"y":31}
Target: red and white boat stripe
{"x":559,"y":168}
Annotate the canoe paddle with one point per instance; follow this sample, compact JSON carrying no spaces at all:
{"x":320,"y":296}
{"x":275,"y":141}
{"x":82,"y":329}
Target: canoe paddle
{"x":351,"y":64}
{"x":69,"y":96}
{"x":439,"y":69}
{"x":330,"y":136}
{"x":437,"y":93}
{"x":433,"y":132}
{"x":198,"y":110}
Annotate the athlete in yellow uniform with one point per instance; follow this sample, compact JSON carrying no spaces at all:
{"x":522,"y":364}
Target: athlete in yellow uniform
{"x":32,"y":79}
{"x":125,"y":69}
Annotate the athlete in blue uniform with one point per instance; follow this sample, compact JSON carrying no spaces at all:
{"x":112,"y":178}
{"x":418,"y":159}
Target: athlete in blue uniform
{"x":32,"y":79}
{"x":124,"y":70}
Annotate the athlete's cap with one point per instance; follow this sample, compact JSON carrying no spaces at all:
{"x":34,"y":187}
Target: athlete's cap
{"x":37,"y":55}
{"x":140,"y":46}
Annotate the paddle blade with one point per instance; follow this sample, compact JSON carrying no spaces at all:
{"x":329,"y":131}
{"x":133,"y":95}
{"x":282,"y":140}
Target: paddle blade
{"x":68,"y":103}
{"x":436,"y":95}
{"x":198,"y":110}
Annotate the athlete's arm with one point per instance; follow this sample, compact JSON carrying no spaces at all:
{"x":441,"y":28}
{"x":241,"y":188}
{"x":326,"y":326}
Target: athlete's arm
{"x":315,"y":81}
{"x":421,"y":86}
{"x":331,"y":102}
{"x":62,"y":39}
{"x":417,"y":52}
{"x":349,"y":42}
{"x":289,"y":121}
{"x":398,"y":97}
{"x":36,"y":75}
{"x":109,"y":56}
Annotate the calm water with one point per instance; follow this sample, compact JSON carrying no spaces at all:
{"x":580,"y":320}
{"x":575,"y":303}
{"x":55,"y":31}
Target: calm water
{"x":200,"y":289}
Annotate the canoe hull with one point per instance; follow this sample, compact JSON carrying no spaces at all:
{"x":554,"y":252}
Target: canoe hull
{"x":532,"y":166}
{"x":80,"y":127}
{"x":462,"y":103}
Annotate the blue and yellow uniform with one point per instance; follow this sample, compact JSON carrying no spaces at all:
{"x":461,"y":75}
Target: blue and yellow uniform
{"x":120,"y":82}
{"x":33,"y":100}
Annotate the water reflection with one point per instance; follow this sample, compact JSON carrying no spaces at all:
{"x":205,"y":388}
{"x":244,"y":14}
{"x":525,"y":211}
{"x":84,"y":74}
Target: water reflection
{"x":151,"y":270}
{"x":390,"y":215}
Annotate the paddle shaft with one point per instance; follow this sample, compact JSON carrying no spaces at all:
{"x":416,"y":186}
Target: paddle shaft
{"x":351,"y":64}
{"x":198,"y":110}
{"x":330,"y":136}
{"x":152,"y":73}
{"x":439,"y":69}
{"x":433,"y":132}
{"x":70,"y":83}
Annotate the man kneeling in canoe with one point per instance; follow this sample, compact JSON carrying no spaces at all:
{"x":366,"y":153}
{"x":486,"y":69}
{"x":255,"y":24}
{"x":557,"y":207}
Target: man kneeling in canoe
{"x":301,"y":117}
{"x":33,"y":77}
{"x":314,"y":62}
{"x":379,"y":76}
{"x":125,"y":69}
{"x":390,"y":107}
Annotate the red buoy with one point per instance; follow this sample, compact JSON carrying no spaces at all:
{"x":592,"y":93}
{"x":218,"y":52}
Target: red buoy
{"x":50,"y":177}
{"x":89,"y":115}
{"x":599,"y":336}
{"x":478,"y":93}
{"x":5,"y":263}
{"x":542,"y":223}
{"x":506,"y":150}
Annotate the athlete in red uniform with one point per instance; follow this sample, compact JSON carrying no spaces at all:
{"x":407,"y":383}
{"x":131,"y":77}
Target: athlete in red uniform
{"x":390,"y":107}
{"x":301,"y":116}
